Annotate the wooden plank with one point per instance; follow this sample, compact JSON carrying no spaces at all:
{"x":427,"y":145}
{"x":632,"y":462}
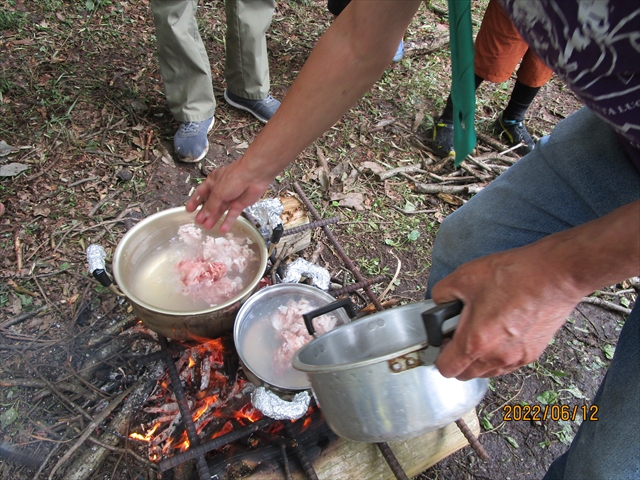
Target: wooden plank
{"x":348,"y":460}
{"x":294,"y":215}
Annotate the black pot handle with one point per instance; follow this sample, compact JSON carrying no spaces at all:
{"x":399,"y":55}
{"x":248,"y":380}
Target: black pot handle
{"x":436,"y":316}
{"x":344,"y":303}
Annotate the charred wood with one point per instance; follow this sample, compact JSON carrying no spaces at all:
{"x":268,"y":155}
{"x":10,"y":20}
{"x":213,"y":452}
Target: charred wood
{"x":90,"y":461}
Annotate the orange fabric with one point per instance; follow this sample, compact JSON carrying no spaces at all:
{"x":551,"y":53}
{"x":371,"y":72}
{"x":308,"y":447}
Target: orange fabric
{"x":499,"y":47}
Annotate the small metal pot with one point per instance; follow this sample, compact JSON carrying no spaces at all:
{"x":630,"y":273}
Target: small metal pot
{"x":150,"y":235}
{"x":375,"y":378}
{"x":256,"y":341}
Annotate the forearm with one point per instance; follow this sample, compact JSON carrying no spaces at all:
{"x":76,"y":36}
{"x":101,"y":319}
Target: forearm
{"x":347,"y":60}
{"x":598,"y":253}
{"x":515,"y":300}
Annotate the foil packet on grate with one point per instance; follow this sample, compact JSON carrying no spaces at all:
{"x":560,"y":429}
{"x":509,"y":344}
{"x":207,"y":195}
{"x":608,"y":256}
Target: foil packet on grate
{"x":95,"y":257}
{"x":267,"y":213}
{"x":300,"y":267}
{"x":275,"y":407}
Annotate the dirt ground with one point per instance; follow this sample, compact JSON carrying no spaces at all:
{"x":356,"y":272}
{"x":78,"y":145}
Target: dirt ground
{"x":86,"y":151}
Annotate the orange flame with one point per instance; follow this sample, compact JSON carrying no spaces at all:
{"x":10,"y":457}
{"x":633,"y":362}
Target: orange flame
{"x":183,"y":443}
{"x":226,"y":428}
{"x":248,"y":412}
{"x":306,"y":423}
{"x":147,"y":436}
{"x":208,"y":401}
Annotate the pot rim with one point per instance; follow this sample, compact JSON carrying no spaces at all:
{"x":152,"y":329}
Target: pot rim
{"x":242,"y":314}
{"x":178,"y":313}
{"x":340,"y":367}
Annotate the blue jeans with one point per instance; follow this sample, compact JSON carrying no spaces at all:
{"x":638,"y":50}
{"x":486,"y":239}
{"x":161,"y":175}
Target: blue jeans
{"x":575,"y":175}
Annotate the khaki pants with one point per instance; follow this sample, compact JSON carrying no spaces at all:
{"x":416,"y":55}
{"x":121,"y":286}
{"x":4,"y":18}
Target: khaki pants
{"x":184,"y":62}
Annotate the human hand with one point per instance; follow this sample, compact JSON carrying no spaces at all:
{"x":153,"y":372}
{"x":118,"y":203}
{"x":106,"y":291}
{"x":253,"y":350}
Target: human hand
{"x":514,"y":303}
{"x":230,"y":189}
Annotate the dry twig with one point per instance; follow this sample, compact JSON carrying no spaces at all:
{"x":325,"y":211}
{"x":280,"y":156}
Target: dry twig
{"x":605,"y":304}
{"x":89,"y":430}
{"x":451,"y":189}
{"x":106,"y":199}
{"x":395,"y":275}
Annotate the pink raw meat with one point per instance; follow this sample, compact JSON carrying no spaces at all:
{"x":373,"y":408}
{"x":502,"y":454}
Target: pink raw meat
{"x":195,"y":272}
{"x":211,"y":265}
{"x":290,"y":327}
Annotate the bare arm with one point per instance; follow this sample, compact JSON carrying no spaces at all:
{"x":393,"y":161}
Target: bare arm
{"x":348,"y":59}
{"x":516,"y":300}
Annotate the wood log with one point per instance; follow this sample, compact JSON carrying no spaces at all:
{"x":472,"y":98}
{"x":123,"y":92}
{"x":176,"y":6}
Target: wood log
{"x":294,"y":215}
{"x":348,"y":460}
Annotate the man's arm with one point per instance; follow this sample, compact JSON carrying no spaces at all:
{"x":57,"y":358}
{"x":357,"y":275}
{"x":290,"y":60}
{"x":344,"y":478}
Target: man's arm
{"x":348,"y":59}
{"x":516,"y":300}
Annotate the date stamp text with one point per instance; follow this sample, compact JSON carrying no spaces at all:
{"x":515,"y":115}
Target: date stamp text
{"x":541,"y":413}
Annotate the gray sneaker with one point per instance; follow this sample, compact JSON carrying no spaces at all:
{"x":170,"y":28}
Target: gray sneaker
{"x":263,"y":110}
{"x":190,"y":141}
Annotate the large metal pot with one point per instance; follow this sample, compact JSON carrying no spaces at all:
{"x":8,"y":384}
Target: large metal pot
{"x":150,"y":238}
{"x":375,"y":380}
{"x":257,"y":341}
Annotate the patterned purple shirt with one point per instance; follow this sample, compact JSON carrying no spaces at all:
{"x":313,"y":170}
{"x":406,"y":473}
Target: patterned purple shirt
{"x":594,"y":47}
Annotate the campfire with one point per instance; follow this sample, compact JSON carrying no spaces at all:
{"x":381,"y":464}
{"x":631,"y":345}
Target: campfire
{"x":217,"y":401}
{"x":203,"y":404}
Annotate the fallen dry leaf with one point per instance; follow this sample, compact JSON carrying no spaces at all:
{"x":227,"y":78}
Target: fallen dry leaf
{"x":24,"y":41}
{"x":349,"y":200}
{"x":12,"y":169}
{"x":6,"y":149}
{"x":450,"y":199}
{"x":41,"y":211}
{"x":373,"y":167}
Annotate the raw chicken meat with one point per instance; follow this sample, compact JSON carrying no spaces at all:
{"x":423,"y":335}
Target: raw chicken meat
{"x":194,"y":272}
{"x":190,"y":234}
{"x":229,"y":251}
{"x":212,"y":265}
{"x":290,"y":327}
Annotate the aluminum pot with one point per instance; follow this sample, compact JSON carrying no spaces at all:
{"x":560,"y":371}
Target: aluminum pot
{"x":149,"y":238}
{"x":257,"y":341}
{"x":375,"y":379}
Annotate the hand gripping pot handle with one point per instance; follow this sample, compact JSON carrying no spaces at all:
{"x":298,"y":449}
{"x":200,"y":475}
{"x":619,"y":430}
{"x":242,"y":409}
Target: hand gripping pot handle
{"x":434,"y":319}
{"x":344,"y":303}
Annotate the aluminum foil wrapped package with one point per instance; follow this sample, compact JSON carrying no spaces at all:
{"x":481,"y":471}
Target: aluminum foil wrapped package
{"x":267,"y":213}
{"x":300,"y":267}
{"x":95,"y":257}
{"x":275,"y":407}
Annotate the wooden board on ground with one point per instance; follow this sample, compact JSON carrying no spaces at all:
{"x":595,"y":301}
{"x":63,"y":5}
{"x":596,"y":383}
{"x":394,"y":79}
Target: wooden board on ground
{"x":294,"y":215}
{"x":348,"y":460}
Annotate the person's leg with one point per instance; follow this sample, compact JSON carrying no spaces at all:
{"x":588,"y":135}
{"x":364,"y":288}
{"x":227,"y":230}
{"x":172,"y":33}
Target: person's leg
{"x":609,"y":447}
{"x":183,"y":60}
{"x":247,"y":63}
{"x":532,"y":71}
{"x":575,"y":175}
{"x":498,"y":47}
{"x":442,"y":133}
{"x":510,"y":123}
{"x":337,"y":6}
{"x":531,"y":76}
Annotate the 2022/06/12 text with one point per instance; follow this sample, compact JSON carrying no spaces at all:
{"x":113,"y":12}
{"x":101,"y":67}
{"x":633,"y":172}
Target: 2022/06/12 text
{"x":537,"y":413}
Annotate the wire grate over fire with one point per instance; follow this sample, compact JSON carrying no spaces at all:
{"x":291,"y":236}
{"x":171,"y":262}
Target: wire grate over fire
{"x":231,"y":401}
